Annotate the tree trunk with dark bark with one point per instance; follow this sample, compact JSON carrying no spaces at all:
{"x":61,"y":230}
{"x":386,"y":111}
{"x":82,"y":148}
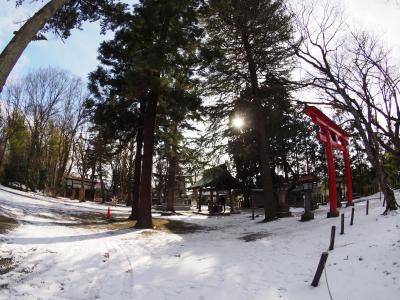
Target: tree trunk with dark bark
{"x":144,"y":219}
{"x":373,"y":157}
{"x":136,"y":174}
{"x":270,"y":207}
{"x":21,"y":39}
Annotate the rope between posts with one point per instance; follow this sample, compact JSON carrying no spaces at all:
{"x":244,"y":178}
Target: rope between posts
{"x":327,"y":284}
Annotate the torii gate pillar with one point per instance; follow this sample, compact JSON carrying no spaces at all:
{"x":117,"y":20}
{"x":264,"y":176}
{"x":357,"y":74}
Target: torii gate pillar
{"x":333,"y":137}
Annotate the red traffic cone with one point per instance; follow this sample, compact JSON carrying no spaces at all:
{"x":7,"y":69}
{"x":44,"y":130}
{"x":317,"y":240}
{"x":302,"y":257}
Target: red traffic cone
{"x":108,"y":213}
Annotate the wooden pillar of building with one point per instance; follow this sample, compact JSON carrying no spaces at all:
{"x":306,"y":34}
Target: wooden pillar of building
{"x":231,"y":201}
{"x":211,"y":203}
{"x":217,"y":200}
{"x":199,"y":201}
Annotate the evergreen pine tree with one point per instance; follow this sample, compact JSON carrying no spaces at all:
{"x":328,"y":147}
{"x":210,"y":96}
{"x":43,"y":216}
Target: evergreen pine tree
{"x":248,"y":51}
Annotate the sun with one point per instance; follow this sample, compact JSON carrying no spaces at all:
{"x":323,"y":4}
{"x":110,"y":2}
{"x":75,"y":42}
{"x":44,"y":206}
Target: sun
{"x":238,"y":122}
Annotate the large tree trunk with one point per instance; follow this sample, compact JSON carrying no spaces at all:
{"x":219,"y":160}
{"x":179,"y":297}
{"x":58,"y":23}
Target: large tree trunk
{"x":21,"y":39}
{"x":388,"y":193}
{"x":270,"y":207}
{"x":144,"y":219}
{"x":138,"y":163}
{"x":137,"y":174}
{"x":371,"y":147}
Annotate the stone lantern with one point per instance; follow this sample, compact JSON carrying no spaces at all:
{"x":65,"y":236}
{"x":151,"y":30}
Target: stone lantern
{"x":307,"y":182}
{"x":283,"y":206}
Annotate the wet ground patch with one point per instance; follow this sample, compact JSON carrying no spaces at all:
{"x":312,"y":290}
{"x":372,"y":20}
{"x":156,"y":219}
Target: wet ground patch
{"x":159,"y":224}
{"x":73,"y":219}
{"x":7,"y":224}
{"x":85,"y":218}
{"x":180,"y":227}
{"x":251,"y":237}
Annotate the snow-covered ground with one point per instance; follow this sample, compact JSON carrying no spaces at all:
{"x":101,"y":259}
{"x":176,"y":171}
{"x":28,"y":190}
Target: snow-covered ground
{"x":59,"y":252}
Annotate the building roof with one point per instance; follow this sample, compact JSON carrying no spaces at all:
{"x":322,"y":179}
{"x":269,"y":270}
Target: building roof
{"x":307,"y":178}
{"x":218,"y":178}
{"x":75,"y":178}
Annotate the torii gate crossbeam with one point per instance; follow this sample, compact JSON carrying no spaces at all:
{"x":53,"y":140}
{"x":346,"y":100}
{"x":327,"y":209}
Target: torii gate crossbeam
{"x":333,"y":137}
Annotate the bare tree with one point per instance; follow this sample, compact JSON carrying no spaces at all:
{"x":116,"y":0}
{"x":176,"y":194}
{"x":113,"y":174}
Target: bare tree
{"x":379,"y":82}
{"x":69,"y":121}
{"x":10,"y":110}
{"x":122,"y":168}
{"x":80,"y":159}
{"x":50,"y":101}
{"x":353,"y":74}
{"x":43,"y":92}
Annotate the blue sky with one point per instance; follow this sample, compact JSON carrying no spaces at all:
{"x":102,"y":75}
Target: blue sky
{"x":78,"y":54}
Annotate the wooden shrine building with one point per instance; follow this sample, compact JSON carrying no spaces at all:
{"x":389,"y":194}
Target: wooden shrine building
{"x":218,"y":183}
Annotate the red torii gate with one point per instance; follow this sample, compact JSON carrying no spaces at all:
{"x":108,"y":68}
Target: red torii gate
{"x":333,"y":137}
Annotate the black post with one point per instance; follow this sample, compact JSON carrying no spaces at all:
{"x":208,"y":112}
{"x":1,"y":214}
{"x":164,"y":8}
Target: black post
{"x":332,"y":244}
{"x":342,"y":224}
{"x":320,"y":268}
{"x":252,"y":208}
{"x":367,"y":207}
{"x":352,"y":216}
